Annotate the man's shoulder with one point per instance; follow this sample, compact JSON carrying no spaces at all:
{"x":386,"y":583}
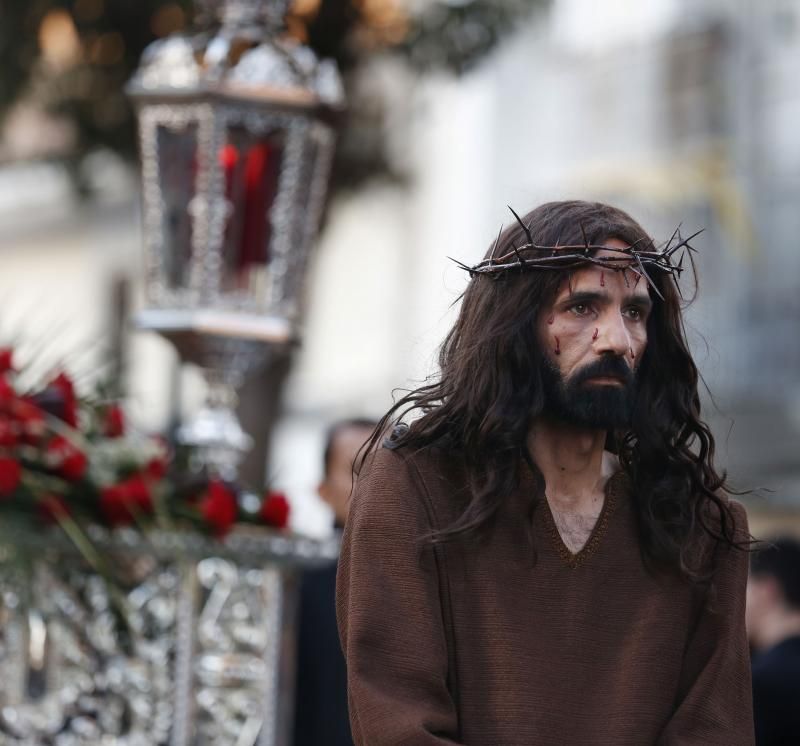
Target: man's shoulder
{"x":724,"y":516}
{"x":732,"y":521}
{"x":431,"y":475}
{"x":431,"y":463}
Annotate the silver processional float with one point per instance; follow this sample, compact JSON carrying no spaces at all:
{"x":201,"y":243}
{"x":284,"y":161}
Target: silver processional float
{"x":236,"y":139}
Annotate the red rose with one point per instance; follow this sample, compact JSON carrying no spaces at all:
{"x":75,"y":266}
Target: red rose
{"x":114,"y":422}
{"x":122,"y":502}
{"x":65,"y":389}
{"x":51,"y":509}
{"x":65,"y":458}
{"x":156,"y":469}
{"x":275,"y":510}
{"x":10,"y":475}
{"x":74,"y":465}
{"x":8,"y":432}
{"x":31,"y":420}
{"x":219,"y":507}
{"x":6,"y":360}
{"x":7,"y":393}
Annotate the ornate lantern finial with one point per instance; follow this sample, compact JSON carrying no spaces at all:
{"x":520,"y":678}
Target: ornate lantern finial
{"x":243,"y":14}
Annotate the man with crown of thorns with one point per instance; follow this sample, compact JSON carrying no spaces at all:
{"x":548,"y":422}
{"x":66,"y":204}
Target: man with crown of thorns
{"x":546,"y":554}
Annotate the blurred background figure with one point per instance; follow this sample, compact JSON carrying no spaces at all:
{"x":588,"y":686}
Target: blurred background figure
{"x":321,"y":700}
{"x":773,"y":625}
{"x":342,"y":444}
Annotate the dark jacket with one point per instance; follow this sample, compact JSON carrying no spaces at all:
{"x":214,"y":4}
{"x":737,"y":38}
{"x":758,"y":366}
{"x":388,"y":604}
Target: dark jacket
{"x":776,"y":694}
{"x":321,"y":699}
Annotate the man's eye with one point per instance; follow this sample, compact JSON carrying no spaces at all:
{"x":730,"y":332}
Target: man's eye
{"x":634,"y":314}
{"x":580,"y":309}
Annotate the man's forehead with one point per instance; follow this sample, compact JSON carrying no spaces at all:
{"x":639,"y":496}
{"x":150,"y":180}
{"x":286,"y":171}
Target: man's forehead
{"x":596,"y":279}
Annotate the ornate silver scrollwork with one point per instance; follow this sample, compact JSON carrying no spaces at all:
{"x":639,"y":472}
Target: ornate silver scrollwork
{"x":195,"y":660}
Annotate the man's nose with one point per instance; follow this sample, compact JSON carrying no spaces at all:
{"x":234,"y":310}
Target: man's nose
{"x":612,"y":335}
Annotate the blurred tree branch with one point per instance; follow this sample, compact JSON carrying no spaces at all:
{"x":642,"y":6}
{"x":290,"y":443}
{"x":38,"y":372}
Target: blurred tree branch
{"x":72,"y":58}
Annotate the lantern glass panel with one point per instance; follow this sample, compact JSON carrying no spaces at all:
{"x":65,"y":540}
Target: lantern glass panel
{"x":177,"y":149}
{"x":251,"y":164}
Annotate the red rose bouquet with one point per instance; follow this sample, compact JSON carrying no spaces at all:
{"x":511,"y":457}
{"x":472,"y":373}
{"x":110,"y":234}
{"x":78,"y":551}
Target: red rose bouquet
{"x":73,"y":461}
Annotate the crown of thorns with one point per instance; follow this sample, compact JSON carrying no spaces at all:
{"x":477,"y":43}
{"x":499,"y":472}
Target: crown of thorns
{"x":531,"y":256}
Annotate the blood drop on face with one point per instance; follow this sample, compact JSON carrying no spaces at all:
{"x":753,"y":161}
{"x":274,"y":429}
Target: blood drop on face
{"x":551,"y":319}
{"x":602,"y":279}
{"x":594,"y":336}
{"x":558,"y":347}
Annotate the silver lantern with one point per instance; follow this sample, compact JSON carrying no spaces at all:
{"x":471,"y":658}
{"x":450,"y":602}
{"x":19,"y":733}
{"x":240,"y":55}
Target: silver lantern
{"x":236,"y":135}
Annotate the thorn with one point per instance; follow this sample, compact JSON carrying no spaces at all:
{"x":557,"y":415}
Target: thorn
{"x":647,"y":277}
{"x":676,"y":232}
{"x":691,"y":259}
{"x":496,"y":241}
{"x":519,"y":256}
{"x":525,"y":228}
{"x":678,"y":287}
{"x":585,"y":240}
{"x":461,"y":264}
{"x":685,"y":242}
{"x":625,"y":277}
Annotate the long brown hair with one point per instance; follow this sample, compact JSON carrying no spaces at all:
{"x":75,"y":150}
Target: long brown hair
{"x":489,"y":390}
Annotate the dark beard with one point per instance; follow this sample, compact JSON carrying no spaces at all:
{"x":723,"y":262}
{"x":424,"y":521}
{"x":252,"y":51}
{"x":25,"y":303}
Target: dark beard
{"x":598,"y":407}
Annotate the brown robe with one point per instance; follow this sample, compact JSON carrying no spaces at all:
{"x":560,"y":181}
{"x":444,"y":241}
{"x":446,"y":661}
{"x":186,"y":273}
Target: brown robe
{"x":478,"y":644}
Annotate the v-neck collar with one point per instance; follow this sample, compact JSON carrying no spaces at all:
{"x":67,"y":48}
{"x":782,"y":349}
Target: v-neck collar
{"x":576,"y":559}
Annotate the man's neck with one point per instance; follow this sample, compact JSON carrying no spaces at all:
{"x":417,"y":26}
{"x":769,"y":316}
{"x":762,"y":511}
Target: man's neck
{"x":573,"y":463}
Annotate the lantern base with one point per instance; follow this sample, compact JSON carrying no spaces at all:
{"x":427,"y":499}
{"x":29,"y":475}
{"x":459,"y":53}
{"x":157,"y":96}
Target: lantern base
{"x":217,"y":439}
{"x":177,"y":324}
{"x":227,"y":347}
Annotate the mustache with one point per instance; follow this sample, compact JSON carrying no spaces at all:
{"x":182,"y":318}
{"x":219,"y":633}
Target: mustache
{"x":611,"y":366}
